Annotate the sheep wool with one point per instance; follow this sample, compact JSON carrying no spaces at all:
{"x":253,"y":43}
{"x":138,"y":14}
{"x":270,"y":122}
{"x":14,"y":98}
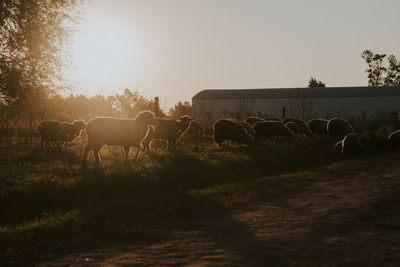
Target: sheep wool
{"x":116,"y":132}
{"x":394,"y":140}
{"x":247,"y":126}
{"x":303,"y":127}
{"x":252,"y":120}
{"x":52,"y":130}
{"x":268,"y":129}
{"x":168,"y":130}
{"x":226,"y":129}
{"x":339,"y":128}
{"x":351,"y":145}
{"x":318,"y":126}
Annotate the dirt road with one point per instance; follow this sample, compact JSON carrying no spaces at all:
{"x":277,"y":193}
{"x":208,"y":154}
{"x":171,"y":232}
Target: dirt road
{"x":336,"y":221}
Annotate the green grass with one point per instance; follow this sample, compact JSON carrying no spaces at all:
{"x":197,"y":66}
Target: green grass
{"x":49,"y":206}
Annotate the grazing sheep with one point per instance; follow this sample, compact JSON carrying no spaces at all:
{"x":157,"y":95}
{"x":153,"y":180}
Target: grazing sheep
{"x":394,"y":140}
{"x":267,"y":129}
{"x":195,"y":130}
{"x":252,"y":120}
{"x":294,"y":127}
{"x":149,"y":138}
{"x":51,"y":131}
{"x":64,"y":132}
{"x":339,"y":128}
{"x":226,"y":129}
{"x":338,"y":147}
{"x":169,"y":130}
{"x":247,"y":126}
{"x":351,"y":145}
{"x":318,"y":126}
{"x":303,"y":127}
{"x":72,"y":130}
{"x":117,"y":132}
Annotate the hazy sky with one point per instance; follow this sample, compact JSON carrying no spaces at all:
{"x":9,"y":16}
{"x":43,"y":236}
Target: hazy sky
{"x":175,"y":48}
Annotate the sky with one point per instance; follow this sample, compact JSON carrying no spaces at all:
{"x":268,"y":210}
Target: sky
{"x":176,"y":48}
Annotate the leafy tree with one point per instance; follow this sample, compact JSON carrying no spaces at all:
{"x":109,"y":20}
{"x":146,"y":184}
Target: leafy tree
{"x":130,"y":103}
{"x":375,"y":69}
{"x":32,"y":35}
{"x":379,"y":73}
{"x":312,"y":82}
{"x":392,"y":72}
{"x":180,"y":109}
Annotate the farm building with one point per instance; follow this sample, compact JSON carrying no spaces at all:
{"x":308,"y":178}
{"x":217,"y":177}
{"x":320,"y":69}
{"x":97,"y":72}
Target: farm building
{"x":370,"y":103}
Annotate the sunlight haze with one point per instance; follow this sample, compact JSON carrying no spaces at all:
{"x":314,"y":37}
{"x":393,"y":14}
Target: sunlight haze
{"x":173,"y":49}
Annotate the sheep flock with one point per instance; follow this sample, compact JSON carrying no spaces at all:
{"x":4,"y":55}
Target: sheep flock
{"x":145,"y":128}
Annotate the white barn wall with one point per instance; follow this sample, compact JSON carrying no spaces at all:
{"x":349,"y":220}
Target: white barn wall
{"x":362,"y":107}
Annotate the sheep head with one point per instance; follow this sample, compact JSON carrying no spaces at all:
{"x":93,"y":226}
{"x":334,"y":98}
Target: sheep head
{"x":185,"y":119}
{"x":146,"y":117}
{"x":79,"y":125}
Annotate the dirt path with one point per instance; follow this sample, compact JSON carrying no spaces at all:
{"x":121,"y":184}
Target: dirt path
{"x":342,"y":221}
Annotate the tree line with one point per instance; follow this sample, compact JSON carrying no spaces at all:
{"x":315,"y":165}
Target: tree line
{"x":33,"y":38}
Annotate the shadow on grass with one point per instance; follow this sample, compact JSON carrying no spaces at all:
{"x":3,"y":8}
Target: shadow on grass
{"x":155,"y":191}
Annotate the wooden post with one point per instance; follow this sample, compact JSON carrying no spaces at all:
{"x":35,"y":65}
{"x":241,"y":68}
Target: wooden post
{"x":283,"y":112}
{"x":156,"y":107}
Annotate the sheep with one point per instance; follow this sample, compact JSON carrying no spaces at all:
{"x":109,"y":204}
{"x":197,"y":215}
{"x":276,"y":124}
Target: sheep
{"x":318,"y":126}
{"x":252,"y":120}
{"x":64,"y":132}
{"x":226,"y":129}
{"x":72,"y":130}
{"x":394,"y":140}
{"x":338,"y":147}
{"x":303,"y":127}
{"x":349,"y":146}
{"x":195,"y":133}
{"x":267,"y":129}
{"x":195,"y":130}
{"x":169,"y":130}
{"x":102,"y":131}
{"x":149,"y":138}
{"x":339,"y":128}
{"x":247,"y":126}
{"x":51,"y":130}
{"x":294,"y":127}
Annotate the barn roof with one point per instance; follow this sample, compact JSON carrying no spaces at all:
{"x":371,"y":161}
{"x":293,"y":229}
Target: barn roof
{"x":298,"y":92}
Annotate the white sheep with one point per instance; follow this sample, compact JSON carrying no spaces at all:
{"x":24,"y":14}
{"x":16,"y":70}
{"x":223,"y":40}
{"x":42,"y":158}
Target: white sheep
{"x":349,"y":146}
{"x":252,"y":120}
{"x":268,"y":129}
{"x":318,"y":126}
{"x":169,"y":130}
{"x":303,"y":127}
{"x":195,"y":131}
{"x":58,"y":131}
{"x":72,"y":130}
{"x":394,"y":140}
{"x":339,"y":128}
{"x":229,"y":130}
{"x":117,"y":132}
{"x":294,"y":127}
{"x":247,"y":126}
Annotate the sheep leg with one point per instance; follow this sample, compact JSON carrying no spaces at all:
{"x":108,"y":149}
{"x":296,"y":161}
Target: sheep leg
{"x":85,"y":155}
{"x":96,"y":151}
{"x":171,"y":145}
{"x":127,"y":148}
{"x":136,"y":155}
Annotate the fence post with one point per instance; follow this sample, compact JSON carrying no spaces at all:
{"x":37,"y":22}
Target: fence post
{"x":156,"y":107}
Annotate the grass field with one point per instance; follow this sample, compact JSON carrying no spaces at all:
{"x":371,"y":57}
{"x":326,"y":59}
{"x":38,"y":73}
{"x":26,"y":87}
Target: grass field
{"x":49,"y":206}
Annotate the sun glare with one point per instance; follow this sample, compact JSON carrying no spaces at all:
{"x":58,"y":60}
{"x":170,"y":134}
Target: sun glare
{"x":104,"y":53}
